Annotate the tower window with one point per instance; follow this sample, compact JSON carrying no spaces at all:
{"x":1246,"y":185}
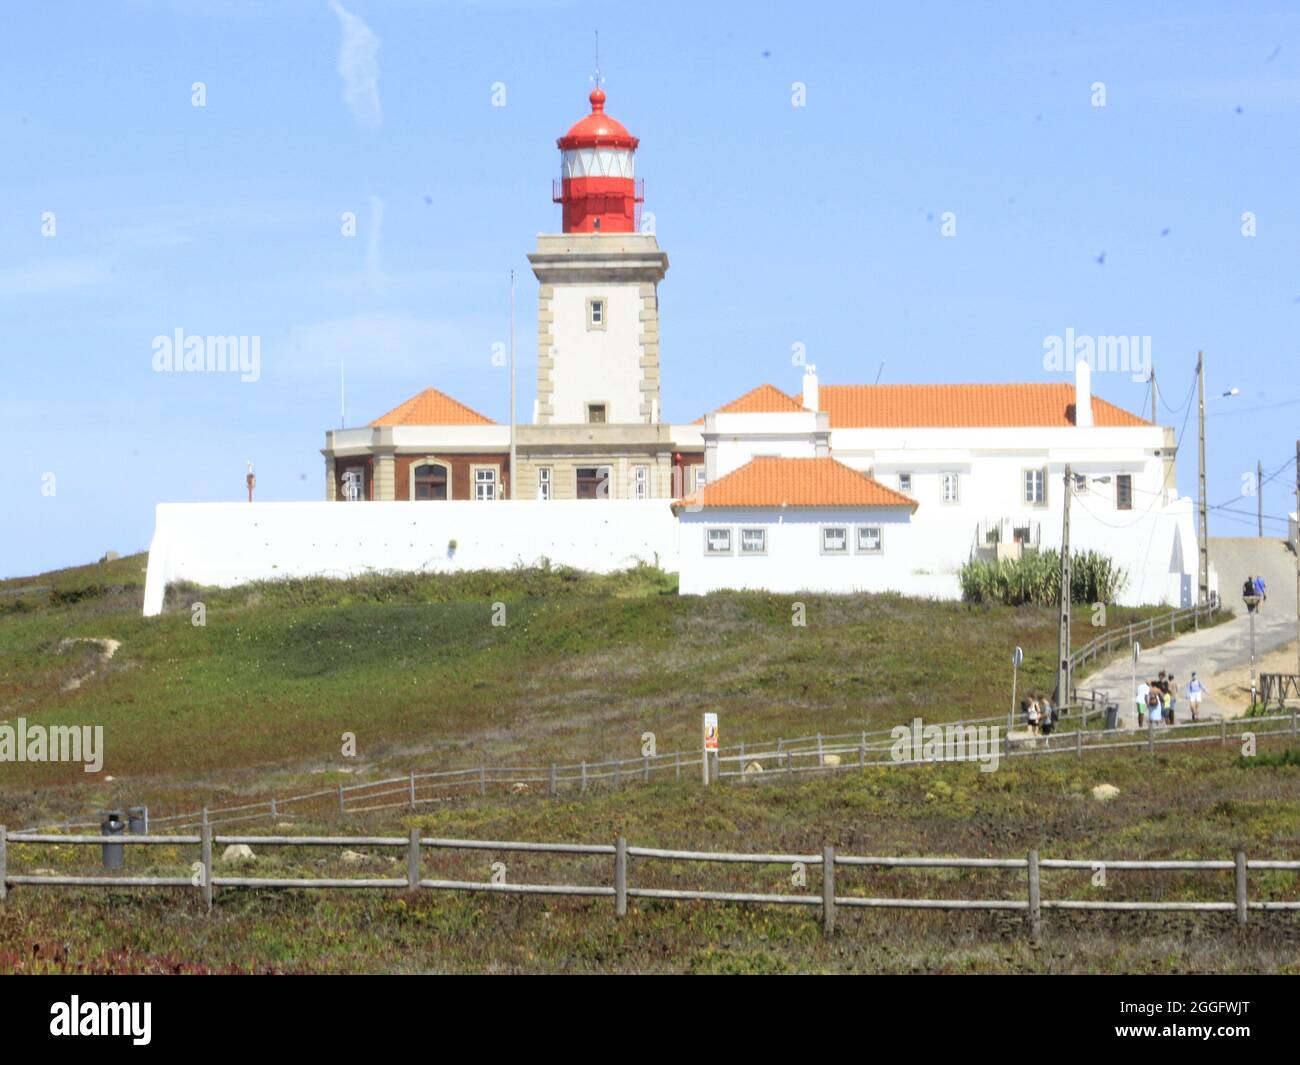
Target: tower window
{"x":596,"y":413}
{"x":596,"y":312}
{"x":640,"y":482}
{"x":593,"y":482}
{"x":543,"y":482}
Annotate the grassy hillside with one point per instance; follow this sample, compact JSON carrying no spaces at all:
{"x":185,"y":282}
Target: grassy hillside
{"x":1194,"y":803}
{"x":575,"y":666}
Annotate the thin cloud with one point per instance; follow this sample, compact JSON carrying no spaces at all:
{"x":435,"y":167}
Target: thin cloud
{"x":359,"y":67}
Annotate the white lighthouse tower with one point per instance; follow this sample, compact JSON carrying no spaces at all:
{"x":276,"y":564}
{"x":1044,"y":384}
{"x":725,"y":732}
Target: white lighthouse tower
{"x":598,"y":304}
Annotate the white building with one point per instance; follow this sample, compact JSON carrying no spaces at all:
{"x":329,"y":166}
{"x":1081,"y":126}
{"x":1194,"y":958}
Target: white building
{"x":834,"y":488}
{"x":984,"y":465}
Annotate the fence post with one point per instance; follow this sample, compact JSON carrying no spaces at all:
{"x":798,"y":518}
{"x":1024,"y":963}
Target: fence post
{"x":275,"y":813}
{"x":620,"y":875}
{"x":205,"y":816}
{"x":205,"y":859}
{"x":482,"y":780}
{"x":1223,"y":732}
{"x":1241,"y":887}
{"x":677,"y":762}
{"x":1035,"y":898}
{"x":828,"y":888}
{"x":554,"y":786}
{"x":411,"y":786}
{"x":4,"y":861}
{"x":820,"y":756}
{"x":584,"y":776}
{"x":862,"y":752}
{"x":413,"y":861}
{"x":645,"y":770}
{"x":341,"y":801}
{"x":1078,"y":744}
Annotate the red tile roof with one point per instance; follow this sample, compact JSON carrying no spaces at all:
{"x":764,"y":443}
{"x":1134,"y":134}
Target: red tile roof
{"x":432,"y":407}
{"x":962,"y":406}
{"x":790,"y":482}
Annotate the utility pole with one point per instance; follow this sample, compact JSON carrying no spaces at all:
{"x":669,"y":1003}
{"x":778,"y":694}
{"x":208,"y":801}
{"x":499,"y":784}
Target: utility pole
{"x":1155,"y":395}
{"x":511,"y":493}
{"x":1203,"y":532}
{"x":1063,"y":644}
{"x":1259,"y":495}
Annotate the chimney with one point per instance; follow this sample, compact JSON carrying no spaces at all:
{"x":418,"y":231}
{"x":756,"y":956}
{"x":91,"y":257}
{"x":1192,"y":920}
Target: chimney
{"x":810,"y":388}
{"x":1082,"y":394}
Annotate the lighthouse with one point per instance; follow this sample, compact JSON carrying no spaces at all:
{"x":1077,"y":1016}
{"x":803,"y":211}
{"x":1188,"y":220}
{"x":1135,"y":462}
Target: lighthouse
{"x":598,"y":185}
{"x":598,"y":295}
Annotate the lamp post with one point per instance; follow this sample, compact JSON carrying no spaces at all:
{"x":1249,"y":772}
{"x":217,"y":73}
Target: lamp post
{"x":1252,"y":604}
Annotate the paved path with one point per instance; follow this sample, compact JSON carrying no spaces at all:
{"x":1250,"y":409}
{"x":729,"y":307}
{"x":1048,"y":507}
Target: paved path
{"x":1207,"y":652}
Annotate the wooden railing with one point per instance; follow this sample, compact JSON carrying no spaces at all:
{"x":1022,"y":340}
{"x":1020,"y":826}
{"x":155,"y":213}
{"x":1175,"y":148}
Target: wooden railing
{"x":831,"y":898}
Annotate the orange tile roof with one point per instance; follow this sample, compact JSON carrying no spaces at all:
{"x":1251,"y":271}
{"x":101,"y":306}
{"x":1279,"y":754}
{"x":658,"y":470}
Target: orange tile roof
{"x":962,"y":406}
{"x":818,"y":482}
{"x":432,"y":407}
{"x":765,"y":399}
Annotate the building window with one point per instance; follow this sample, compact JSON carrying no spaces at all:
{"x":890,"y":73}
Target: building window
{"x":951,"y":488}
{"x":543,"y":482}
{"x":354,"y":484}
{"x":431,"y":480}
{"x":905,"y":483}
{"x":753,"y":541}
{"x":835,"y":540}
{"x":596,"y":313}
{"x":593,"y":482}
{"x":717,"y":541}
{"x":1035,"y":487}
{"x":1124,"y":491}
{"x":640,"y":482}
{"x":701,"y":479}
{"x":870,"y":540}
{"x":596,"y":413}
{"x":485,"y":483}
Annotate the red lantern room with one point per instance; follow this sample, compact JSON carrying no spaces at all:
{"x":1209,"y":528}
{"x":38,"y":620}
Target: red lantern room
{"x":599,"y":189}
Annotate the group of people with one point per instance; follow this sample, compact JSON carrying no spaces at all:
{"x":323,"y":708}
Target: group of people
{"x":1158,"y":699}
{"x":1039,"y":713}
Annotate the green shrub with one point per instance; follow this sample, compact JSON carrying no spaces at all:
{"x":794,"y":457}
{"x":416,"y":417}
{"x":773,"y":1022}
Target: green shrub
{"x":1035,"y":579}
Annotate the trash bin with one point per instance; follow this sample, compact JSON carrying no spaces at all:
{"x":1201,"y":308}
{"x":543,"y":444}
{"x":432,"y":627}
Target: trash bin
{"x":1112,"y":716}
{"x":113,"y":825}
{"x":138,"y":820}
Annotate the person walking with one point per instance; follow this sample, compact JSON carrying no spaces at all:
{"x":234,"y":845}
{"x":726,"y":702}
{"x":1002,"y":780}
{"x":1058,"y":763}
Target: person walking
{"x":1195,"y":691}
{"x":1173,"y":698}
{"x":1140,"y":702}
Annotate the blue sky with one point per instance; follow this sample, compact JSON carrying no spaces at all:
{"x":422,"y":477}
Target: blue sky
{"x":818,"y":225}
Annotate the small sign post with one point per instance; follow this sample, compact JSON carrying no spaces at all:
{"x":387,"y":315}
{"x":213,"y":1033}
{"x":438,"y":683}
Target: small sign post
{"x":710,"y":742}
{"x":1137,"y":650}
{"x":1017,"y":657}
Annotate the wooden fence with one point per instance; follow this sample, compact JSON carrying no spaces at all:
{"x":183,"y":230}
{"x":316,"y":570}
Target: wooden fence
{"x":620,"y":855}
{"x":816,"y":753}
{"x":1112,"y":640}
{"x":1277,"y":686}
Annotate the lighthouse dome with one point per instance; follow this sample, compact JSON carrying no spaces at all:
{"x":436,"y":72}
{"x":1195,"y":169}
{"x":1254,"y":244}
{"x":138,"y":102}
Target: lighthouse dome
{"x":597,"y":130}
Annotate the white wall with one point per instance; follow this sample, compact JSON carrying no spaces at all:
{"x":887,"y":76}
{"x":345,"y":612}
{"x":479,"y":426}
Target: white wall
{"x":794,"y":561}
{"x":597,"y":365}
{"x":230,"y":543}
